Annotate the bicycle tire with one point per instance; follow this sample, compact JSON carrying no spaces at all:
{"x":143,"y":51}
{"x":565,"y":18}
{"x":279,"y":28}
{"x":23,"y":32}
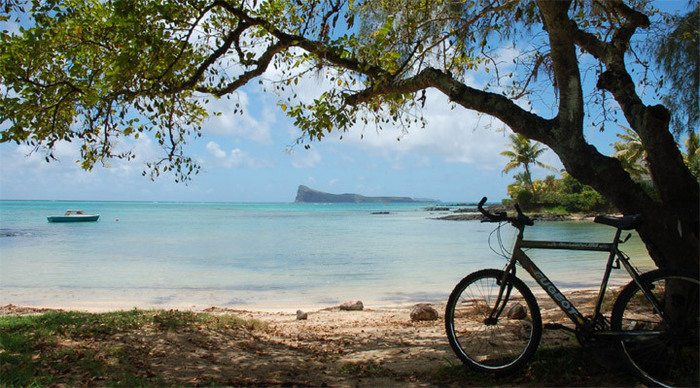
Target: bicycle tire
{"x":502,"y":347}
{"x":668,"y":354}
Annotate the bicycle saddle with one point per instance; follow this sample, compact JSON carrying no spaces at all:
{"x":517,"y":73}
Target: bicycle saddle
{"x":626,"y":222}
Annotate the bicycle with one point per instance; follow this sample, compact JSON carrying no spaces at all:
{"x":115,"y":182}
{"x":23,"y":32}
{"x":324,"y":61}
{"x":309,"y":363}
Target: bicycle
{"x":493,"y":321}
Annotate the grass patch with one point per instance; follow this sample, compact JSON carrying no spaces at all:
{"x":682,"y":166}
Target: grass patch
{"x":76,"y":348}
{"x":73,"y":324}
{"x":219,"y":322}
{"x":174,"y":319}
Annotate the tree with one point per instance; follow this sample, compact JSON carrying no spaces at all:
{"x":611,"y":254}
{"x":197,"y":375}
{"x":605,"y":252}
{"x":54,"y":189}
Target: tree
{"x":692,"y":155}
{"x":677,"y":53}
{"x":630,"y":151}
{"x":100,"y":71}
{"x":523,"y":153}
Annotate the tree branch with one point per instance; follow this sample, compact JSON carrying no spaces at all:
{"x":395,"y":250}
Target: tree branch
{"x":517,"y":118}
{"x":262,"y":63}
{"x":566,"y":68}
{"x":321,"y":50}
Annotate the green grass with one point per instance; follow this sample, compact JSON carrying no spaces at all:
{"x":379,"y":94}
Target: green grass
{"x":67,"y":347}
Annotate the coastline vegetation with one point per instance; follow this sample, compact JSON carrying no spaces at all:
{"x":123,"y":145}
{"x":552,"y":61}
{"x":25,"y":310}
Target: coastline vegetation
{"x":559,"y":196}
{"x":550,"y":195}
{"x":566,"y":195}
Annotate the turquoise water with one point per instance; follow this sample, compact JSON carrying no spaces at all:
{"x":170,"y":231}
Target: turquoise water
{"x":279,"y":256}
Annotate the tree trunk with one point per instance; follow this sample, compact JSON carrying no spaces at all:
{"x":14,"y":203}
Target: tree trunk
{"x":661,"y":228}
{"x":670,"y":226}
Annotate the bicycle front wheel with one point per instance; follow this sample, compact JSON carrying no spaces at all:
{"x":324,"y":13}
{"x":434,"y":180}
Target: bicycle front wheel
{"x":660,"y":346}
{"x":500,"y":345}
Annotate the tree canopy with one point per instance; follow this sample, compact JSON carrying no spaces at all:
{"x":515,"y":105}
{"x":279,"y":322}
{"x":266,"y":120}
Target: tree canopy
{"x":98,"y":72}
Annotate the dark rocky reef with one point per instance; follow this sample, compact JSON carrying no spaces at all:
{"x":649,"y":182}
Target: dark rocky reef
{"x":308,"y":195}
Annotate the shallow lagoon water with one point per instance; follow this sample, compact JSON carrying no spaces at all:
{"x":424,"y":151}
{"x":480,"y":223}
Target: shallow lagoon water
{"x":279,"y":256}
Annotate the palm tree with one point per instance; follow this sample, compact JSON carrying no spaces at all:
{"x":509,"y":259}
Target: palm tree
{"x":631,"y":153}
{"x":692,"y":156}
{"x":524,"y":153}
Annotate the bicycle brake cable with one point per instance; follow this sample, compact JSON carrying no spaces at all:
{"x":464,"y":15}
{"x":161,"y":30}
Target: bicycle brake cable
{"x":497,"y":230}
{"x":504,"y":251}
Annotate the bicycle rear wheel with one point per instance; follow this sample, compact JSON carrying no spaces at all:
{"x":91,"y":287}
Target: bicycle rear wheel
{"x":503,"y":345}
{"x":661,"y":347}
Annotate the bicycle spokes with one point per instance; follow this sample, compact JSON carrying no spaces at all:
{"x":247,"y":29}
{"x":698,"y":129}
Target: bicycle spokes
{"x":493,"y":327}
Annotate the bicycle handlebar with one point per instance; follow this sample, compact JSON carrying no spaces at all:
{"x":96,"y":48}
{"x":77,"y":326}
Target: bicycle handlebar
{"x":520,"y":219}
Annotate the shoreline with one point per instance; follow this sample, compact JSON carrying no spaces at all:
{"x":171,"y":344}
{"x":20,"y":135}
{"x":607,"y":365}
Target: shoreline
{"x":473,"y":214}
{"x":460,"y":216}
{"x":7,"y":307}
{"x":101,"y":301}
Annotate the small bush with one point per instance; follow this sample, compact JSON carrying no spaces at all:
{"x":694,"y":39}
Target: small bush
{"x":524,"y":198}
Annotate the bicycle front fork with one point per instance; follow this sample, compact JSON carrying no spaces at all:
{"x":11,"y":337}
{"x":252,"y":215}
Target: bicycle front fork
{"x":501,"y":299}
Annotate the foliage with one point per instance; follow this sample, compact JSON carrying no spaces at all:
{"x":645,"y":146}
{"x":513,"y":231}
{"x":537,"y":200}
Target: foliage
{"x":97,"y":72}
{"x":573,"y":196}
{"x":565,"y":193}
{"x":631,"y":153}
{"x":692,"y":155}
{"x":677,"y":54}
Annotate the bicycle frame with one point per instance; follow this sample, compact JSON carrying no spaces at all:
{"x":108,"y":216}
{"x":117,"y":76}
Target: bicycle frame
{"x":519,"y":256}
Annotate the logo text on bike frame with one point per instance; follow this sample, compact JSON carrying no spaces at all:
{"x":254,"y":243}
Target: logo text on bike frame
{"x":549,"y":287}
{"x":567,"y":245}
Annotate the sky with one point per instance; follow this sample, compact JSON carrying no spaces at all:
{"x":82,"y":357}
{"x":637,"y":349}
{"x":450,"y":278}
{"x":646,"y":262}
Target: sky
{"x":252,"y":158}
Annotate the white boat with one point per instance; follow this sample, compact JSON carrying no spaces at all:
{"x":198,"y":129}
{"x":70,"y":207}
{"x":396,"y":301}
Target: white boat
{"x":74,"y":216}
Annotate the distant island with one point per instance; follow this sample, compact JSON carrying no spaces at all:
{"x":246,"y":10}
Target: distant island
{"x":308,"y":195}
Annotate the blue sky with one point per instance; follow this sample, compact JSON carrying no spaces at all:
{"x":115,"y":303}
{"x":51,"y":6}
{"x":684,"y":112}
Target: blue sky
{"x":247,"y":158}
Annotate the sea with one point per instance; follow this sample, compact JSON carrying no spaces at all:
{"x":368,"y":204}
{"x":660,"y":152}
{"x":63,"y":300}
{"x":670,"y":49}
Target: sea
{"x":268,"y":256}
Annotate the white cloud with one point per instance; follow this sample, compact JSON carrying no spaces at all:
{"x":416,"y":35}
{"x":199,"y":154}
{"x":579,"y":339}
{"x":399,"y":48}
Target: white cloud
{"x":451,"y":135}
{"x":237,"y":158}
{"x":67,"y":155}
{"x":215,"y":150}
{"x":305,"y":158}
{"x":242,"y":125}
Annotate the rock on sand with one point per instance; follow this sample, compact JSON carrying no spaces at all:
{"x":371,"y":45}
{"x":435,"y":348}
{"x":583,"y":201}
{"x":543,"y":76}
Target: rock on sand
{"x":518,"y":311}
{"x":424,"y":312}
{"x":352,"y":305}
